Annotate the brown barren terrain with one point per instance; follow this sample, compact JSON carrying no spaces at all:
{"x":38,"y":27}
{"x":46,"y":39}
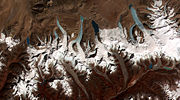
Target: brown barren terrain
{"x":31,"y":18}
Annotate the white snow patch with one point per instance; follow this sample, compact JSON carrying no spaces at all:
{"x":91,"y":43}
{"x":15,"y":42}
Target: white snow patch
{"x":165,"y":40}
{"x":48,"y":56}
{"x":174,"y":94}
{"x":26,"y":85}
{"x":9,"y":41}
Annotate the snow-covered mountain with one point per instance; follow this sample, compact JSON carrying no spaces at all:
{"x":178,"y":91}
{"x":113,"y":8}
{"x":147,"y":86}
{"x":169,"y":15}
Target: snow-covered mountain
{"x":53,"y":61}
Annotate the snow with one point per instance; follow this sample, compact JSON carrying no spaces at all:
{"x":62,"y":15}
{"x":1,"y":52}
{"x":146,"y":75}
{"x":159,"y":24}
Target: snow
{"x":49,"y":54}
{"x":9,"y":41}
{"x":172,"y":94}
{"x":26,"y":85}
{"x":165,"y":40}
{"x":157,"y":3}
{"x":10,"y":44}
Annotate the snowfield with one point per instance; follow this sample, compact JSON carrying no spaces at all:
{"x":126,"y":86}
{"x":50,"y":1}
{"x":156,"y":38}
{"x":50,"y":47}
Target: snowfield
{"x":162,"y":39}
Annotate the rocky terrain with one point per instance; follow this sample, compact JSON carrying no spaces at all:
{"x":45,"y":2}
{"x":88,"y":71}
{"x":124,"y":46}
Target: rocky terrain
{"x":33,"y":33}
